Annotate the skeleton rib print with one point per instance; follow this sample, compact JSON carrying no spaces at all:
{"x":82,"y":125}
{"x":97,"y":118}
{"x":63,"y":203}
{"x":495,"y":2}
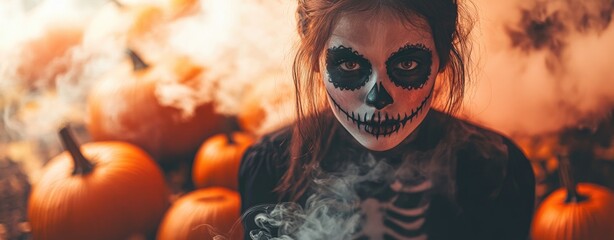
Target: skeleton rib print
{"x":402,"y":217}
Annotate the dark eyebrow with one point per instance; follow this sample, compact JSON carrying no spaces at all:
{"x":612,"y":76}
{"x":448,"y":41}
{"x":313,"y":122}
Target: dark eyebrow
{"x":339,"y":53}
{"x":411,"y":49}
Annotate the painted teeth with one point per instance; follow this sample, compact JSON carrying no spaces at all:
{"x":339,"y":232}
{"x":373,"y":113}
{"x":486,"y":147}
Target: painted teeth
{"x":384,"y":131}
{"x":373,"y":125}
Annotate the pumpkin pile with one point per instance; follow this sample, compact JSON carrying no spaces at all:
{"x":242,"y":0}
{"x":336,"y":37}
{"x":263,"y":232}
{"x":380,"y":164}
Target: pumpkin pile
{"x":576,"y":212}
{"x":114,"y":190}
{"x":114,"y":187}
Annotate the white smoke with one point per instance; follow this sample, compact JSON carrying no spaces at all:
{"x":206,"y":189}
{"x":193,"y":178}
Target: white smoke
{"x":330,"y":213}
{"x":242,"y":43}
{"x":53,"y":51}
{"x":543,"y":65}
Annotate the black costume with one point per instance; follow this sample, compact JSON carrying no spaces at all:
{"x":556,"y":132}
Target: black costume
{"x":471,"y":183}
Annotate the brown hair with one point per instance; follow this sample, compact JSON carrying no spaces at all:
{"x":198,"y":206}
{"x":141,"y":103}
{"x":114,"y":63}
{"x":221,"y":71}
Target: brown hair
{"x":316,"y":20}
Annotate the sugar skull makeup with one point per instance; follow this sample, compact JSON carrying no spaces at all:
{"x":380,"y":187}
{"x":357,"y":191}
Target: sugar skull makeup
{"x":380,"y":74}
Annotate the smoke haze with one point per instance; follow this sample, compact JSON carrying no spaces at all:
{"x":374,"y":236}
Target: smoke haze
{"x":543,"y":66}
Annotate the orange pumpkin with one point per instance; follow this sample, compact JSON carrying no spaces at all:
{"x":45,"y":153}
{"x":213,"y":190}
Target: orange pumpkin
{"x":125,"y":107}
{"x":103,"y":190}
{"x":203,"y":215}
{"x":577,"y":212}
{"x":217,"y":161}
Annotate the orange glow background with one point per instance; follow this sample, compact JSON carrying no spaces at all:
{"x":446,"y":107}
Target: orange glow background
{"x":541,"y":71}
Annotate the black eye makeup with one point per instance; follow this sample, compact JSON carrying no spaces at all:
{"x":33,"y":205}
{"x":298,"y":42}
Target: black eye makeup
{"x":410,"y":66}
{"x":347,"y":69}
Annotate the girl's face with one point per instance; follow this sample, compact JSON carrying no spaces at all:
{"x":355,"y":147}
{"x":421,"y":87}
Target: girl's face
{"x":380,"y":74}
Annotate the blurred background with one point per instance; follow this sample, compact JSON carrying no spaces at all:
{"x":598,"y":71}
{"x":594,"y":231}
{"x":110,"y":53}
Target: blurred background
{"x":167,"y":75}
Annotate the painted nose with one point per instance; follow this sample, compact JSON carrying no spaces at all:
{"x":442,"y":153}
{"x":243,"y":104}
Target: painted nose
{"x":378,"y":97}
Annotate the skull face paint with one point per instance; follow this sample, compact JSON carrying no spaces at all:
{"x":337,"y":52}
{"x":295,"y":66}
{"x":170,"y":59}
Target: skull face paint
{"x":379,"y":76}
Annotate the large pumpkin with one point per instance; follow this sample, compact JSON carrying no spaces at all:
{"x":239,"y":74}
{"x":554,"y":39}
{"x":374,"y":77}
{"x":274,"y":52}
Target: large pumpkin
{"x":104,"y":190}
{"x":204,"y":214}
{"x":126,"y":106}
{"x":576,"y":212}
{"x":217,"y":161}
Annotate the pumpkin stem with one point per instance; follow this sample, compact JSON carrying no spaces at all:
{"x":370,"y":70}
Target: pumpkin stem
{"x":82,"y":165}
{"x":137,"y":63}
{"x":230,"y":138}
{"x":568,"y":180}
{"x":233,"y":124}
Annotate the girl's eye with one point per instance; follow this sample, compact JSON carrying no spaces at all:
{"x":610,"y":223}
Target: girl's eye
{"x":349,"y":66}
{"x":407,"y":65}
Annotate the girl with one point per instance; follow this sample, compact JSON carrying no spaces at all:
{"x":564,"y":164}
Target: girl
{"x":367,"y":74}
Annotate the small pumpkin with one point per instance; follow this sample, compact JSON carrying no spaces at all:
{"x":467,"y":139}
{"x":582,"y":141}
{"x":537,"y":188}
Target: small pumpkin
{"x":102,"y":190}
{"x":576,"y":212}
{"x":204,"y":214}
{"x":127,"y":106}
{"x":217,"y":161}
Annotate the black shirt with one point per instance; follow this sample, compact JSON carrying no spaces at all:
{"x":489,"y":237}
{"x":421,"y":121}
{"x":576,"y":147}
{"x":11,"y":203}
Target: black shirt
{"x":480,"y":185}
